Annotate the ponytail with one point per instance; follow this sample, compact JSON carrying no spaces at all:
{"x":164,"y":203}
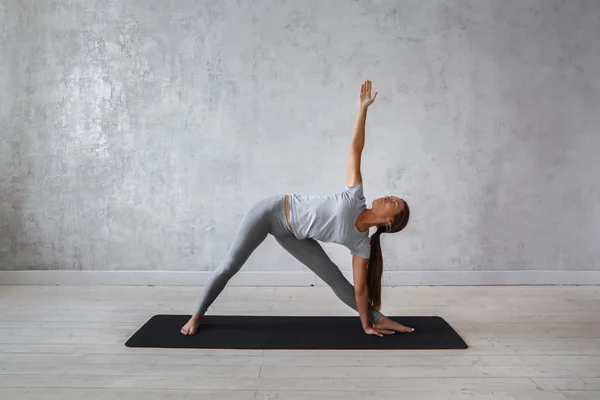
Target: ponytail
{"x":375,"y":266}
{"x":374,"y":271}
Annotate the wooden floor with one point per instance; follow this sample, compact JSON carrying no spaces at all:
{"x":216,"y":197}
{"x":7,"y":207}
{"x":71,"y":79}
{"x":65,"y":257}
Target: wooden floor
{"x":61,"y":342}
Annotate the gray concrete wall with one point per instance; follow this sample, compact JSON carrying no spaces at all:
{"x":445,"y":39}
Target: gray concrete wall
{"x":135,"y":134}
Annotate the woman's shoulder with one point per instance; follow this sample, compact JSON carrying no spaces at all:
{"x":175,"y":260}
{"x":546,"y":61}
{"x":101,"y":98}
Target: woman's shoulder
{"x":355,"y":191}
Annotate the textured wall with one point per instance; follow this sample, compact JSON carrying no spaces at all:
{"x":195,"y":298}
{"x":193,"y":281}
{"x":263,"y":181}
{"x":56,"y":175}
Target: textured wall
{"x":135,"y":134}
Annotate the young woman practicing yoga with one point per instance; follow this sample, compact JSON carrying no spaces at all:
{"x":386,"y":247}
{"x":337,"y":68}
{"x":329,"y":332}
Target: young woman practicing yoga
{"x":298,"y":222}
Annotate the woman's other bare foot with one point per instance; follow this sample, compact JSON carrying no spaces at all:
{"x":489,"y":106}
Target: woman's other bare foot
{"x":192,"y":325}
{"x":386,"y":323}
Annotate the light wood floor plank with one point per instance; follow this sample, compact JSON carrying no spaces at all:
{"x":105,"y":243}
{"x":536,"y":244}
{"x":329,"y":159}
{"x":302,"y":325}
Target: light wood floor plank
{"x":586,"y":384}
{"x":147,"y":370}
{"x":122,"y":394}
{"x":388,"y":384}
{"x":430,"y":371}
{"x":129,"y":382}
{"x":575,"y":395}
{"x":410,"y":394}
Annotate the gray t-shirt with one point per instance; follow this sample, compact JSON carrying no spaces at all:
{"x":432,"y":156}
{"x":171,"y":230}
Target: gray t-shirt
{"x":331,"y":219}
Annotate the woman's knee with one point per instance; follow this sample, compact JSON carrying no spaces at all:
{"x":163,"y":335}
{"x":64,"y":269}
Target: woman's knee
{"x":228,"y":267}
{"x":340,"y":284}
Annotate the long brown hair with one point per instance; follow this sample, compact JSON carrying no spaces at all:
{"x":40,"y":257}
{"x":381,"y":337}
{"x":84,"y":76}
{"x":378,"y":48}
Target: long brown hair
{"x":375,"y":267}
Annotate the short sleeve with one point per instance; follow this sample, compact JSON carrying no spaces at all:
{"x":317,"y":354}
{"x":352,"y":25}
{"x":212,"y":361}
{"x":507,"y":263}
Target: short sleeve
{"x":356,"y":191}
{"x":363,"y":249}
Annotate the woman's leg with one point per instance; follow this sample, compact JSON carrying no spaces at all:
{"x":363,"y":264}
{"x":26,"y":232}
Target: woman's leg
{"x":310,"y":253}
{"x":253,"y":230}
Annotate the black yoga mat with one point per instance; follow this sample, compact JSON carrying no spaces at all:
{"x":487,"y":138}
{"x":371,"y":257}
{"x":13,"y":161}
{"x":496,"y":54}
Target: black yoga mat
{"x":289,"y":332}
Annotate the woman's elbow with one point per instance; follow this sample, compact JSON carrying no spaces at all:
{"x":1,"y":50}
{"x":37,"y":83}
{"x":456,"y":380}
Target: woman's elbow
{"x":360,"y":290}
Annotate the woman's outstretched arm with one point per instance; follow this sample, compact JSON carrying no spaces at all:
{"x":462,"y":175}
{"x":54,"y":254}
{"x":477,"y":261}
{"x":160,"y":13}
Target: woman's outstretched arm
{"x":357,"y":143}
{"x":361,"y":293}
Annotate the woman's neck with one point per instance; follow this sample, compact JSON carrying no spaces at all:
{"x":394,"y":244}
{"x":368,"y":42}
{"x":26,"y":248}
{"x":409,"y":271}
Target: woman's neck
{"x":366,"y":220}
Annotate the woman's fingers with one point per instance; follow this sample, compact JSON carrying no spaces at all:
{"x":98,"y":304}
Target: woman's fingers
{"x":380,"y":332}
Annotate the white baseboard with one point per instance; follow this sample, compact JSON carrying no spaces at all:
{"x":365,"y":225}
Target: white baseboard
{"x":302,"y":278}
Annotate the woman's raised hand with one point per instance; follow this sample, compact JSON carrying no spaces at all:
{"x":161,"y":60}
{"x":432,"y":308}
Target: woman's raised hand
{"x":364,"y":98}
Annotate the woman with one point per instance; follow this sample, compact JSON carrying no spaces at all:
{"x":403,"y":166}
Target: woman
{"x":297,"y":222}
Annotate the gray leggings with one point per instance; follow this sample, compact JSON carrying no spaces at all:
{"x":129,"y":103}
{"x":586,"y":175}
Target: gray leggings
{"x":268,"y":217}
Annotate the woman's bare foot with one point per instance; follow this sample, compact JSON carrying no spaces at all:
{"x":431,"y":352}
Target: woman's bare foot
{"x":386,"y":323}
{"x":192,"y":325}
